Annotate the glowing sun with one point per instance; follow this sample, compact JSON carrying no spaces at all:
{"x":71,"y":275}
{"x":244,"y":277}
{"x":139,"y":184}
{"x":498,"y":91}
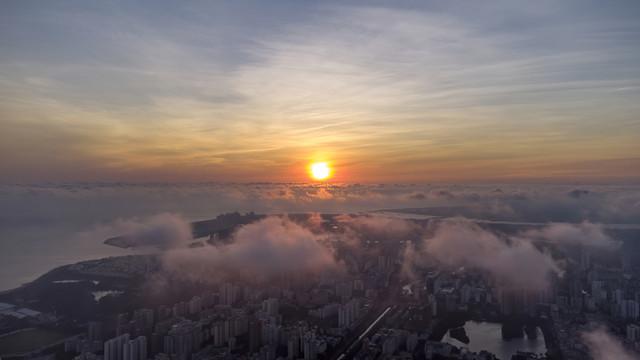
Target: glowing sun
{"x":320,"y":170}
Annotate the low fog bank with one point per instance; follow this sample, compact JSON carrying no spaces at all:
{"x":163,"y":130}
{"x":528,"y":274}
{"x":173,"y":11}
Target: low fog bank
{"x":603,"y":346}
{"x":86,"y":204}
{"x":53,"y":224}
{"x":276,"y":245}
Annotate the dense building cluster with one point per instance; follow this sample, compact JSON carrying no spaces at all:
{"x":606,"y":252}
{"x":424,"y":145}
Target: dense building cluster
{"x":373,"y":310}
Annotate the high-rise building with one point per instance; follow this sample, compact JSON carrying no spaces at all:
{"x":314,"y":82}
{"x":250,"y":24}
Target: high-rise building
{"x":232,"y":343}
{"x":626,"y":262}
{"x":310,"y":347}
{"x":135,"y":349}
{"x":163,"y":312}
{"x":122,"y":324}
{"x":255,"y":335}
{"x":412,"y":342}
{"x":349,"y":313}
{"x":389,"y":345}
{"x":344,"y":289}
{"x":122,"y":319}
{"x":575,"y":289}
{"x":143,"y":319}
{"x":293,"y":347}
{"x":598,"y":291}
{"x":195,"y":305}
{"x":113,"y":347}
{"x":618,"y":296}
{"x":465,"y":294}
{"x":268,"y":352}
{"x":434,"y":304}
{"x":629,"y":309}
{"x":238,"y":325}
{"x":180,"y":309}
{"x":270,"y":307}
{"x":271,"y":333}
{"x":183,"y":339}
{"x":220,"y":332}
{"x":208,"y":299}
{"x":275,"y":292}
{"x":436,"y":285}
{"x":633,"y":333}
{"x":94,"y":330}
{"x":585,"y":259}
{"x":227,"y":294}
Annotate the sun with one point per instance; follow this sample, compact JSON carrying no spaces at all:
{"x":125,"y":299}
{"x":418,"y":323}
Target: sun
{"x":320,"y":170}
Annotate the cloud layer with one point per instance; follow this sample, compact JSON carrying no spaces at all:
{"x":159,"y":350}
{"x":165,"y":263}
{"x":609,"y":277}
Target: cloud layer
{"x":63,"y":210}
{"x":277,"y":245}
{"x":197,"y":201}
{"x":163,"y":230}
{"x":516,"y":263}
{"x":414,"y":91}
{"x":584,"y":234}
{"x":520,"y":260}
{"x":269,"y":247}
{"x":603,"y":346}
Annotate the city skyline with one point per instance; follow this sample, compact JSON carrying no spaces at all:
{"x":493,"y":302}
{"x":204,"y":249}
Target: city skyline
{"x":414,"y":92}
{"x":320,"y":180}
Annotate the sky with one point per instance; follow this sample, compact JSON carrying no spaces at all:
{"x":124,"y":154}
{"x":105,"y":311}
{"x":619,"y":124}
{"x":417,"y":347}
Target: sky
{"x":403,"y":91}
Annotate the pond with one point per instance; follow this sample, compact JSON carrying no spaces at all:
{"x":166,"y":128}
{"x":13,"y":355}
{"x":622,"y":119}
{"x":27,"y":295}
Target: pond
{"x":488,"y":336}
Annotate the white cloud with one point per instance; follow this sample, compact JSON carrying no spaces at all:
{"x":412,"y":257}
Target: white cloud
{"x":603,"y":346}
{"x":163,"y":230}
{"x":514,"y":263}
{"x":269,"y":247}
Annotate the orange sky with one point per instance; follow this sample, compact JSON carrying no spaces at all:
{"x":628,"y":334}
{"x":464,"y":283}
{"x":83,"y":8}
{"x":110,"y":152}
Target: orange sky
{"x":417,"y":92}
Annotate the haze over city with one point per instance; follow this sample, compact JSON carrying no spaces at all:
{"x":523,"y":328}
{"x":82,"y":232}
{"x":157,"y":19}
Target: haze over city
{"x":319,"y":180}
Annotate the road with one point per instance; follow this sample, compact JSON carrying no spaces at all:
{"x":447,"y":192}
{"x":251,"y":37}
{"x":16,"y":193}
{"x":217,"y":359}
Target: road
{"x":371,"y":323}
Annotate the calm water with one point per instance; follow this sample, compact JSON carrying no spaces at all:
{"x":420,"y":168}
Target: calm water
{"x":25,"y":254}
{"x":488,"y":336}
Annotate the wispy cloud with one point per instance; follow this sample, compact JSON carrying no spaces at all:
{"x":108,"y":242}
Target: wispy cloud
{"x":270,"y":247}
{"x":408,"y":92}
{"x":516,"y":263}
